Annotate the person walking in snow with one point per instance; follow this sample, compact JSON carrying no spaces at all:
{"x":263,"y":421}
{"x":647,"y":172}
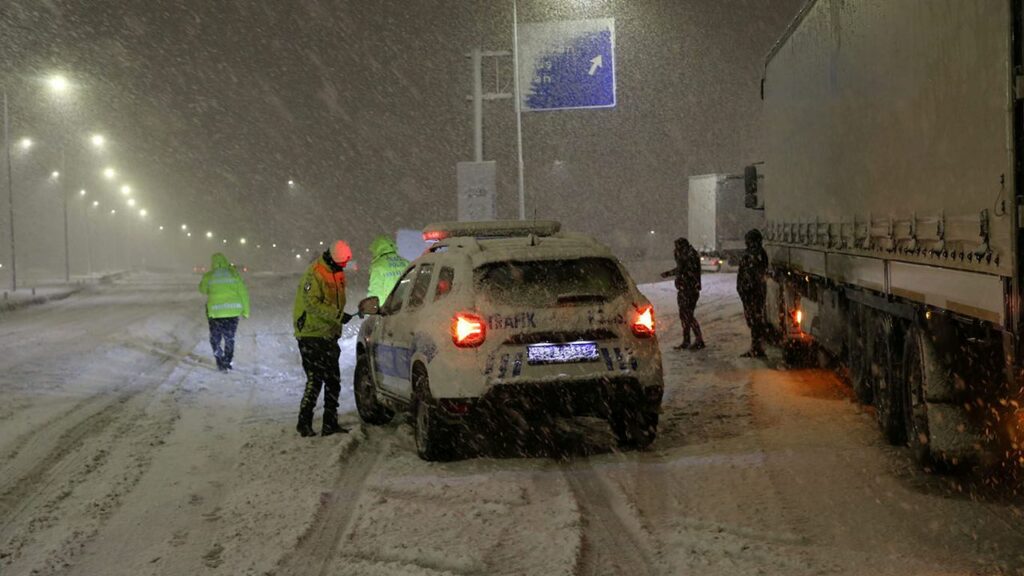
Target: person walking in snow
{"x":687,"y":274}
{"x":386,"y":267}
{"x":318,"y":316}
{"x":226,"y":299}
{"x":752,"y":287}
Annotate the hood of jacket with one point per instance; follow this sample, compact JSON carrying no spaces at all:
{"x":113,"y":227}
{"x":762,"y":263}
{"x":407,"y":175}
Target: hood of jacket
{"x":381,"y":246}
{"x":219,"y":260}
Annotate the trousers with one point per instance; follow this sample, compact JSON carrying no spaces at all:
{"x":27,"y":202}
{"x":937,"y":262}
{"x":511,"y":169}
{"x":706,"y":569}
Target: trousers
{"x":687,"y":301}
{"x":757,"y":321}
{"x":320,"y":362}
{"x":222,"y":339}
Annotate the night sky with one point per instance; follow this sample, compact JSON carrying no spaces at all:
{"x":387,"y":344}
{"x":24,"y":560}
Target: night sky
{"x":212,"y":106}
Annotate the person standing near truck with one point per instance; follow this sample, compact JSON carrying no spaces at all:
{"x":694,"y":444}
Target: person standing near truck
{"x":687,"y":273}
{"x":226,"y":299}
{"x":751,"y":284}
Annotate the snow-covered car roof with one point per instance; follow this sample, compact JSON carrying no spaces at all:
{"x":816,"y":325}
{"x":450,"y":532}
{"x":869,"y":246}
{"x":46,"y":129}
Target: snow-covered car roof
{"x":562,"y":246}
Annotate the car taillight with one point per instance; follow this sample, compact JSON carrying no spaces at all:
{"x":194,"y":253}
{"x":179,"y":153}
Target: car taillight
{"x":643,"y":322}
{"x":468,"y":330}
{"x":798,"y":318}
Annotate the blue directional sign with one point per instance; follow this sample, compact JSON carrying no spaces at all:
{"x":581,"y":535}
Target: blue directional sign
{"x":567,"y":65}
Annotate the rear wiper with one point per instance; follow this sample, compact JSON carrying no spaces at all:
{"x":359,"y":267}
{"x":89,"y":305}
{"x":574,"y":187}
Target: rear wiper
{"x":581,"y":298}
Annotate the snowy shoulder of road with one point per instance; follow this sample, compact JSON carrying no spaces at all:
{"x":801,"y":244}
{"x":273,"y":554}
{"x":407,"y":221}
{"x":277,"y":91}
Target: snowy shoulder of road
{"x":124,"y":451}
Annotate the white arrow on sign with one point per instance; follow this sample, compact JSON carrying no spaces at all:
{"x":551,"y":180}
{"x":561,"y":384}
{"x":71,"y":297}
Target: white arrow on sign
{"x":596,"y":63}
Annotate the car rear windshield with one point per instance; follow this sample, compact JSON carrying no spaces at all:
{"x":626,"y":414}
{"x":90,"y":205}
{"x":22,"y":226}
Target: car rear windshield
{"x":550,"y":282}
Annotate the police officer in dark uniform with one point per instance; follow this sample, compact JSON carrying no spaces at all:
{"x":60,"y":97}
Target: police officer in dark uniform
{"x":687,"y":273}
{"x":752,"y":287}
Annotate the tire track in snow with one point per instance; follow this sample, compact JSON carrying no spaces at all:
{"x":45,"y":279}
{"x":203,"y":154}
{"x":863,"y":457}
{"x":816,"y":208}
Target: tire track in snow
{"x":23,"y":488}
{"x":612,"y":542}
{"x":318,"y":546}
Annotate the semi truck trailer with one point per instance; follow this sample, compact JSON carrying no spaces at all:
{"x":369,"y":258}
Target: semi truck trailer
{"x":893,"y":195}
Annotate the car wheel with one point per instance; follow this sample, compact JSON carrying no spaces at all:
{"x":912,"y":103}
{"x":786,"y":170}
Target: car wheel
{"x":370,"y":409}
{"x":633,"y":426}
{"x":433,"y":438}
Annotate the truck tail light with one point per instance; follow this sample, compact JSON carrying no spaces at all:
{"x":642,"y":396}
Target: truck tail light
{"x":468,"y":330}
{"x":643,"y":322}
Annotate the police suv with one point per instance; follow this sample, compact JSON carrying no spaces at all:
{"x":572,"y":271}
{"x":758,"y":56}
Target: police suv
{"x":498,"y":323}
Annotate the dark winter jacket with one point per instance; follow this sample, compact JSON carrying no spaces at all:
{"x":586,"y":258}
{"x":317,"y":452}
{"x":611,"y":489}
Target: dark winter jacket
{"x":687,"y":270}
{"x":750,"y":280}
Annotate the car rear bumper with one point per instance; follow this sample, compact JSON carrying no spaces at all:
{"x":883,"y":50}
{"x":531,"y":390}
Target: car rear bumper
{"x":533,"y":400}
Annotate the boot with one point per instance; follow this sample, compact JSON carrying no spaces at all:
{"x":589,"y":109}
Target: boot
{"x":698,"y":345}
{"x":331,"y":425}
{"x":305,"y":426}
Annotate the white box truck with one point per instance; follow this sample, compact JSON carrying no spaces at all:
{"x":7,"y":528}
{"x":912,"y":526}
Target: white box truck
{"x":717,"y":219}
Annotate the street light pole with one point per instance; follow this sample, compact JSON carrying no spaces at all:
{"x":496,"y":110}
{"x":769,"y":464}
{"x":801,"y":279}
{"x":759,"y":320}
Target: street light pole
{"x":10,"y":193}
{"x":64,"y":193}
{"x":519,"y":107}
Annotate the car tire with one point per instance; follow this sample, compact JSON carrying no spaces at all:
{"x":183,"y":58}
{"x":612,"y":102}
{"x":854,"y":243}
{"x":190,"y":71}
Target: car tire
{"x":633,"y":426}
{"x":370,"y":409}
{"x":432,"y":434}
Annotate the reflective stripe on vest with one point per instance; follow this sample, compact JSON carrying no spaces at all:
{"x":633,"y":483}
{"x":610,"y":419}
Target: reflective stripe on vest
{"x":227,"y":306}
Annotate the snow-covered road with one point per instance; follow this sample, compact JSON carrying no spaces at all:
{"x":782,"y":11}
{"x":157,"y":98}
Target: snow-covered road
{"x":123,"y":451}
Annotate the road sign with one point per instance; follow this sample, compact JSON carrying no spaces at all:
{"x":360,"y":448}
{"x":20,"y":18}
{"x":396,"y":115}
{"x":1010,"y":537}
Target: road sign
{"x":478,"y":190}
{"x":567,"y":65}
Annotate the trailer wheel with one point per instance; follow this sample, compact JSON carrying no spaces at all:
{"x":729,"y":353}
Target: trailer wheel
{"x":886,"y":386}
{"x":857,"y":355}
{"x":915,"y":409}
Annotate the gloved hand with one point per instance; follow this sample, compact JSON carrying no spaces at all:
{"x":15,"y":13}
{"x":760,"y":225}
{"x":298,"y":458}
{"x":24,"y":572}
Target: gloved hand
{"x":345,"y":317}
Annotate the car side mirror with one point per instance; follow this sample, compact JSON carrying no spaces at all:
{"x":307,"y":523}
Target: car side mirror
{"x":369,"y":306}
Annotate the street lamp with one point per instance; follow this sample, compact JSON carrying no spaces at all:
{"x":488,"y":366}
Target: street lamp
{"x":55,"y":175}
{"x":81,"y":192}
{"x":10,"y":189}
{"x":58,"y":83}
{"x":209,"y":234}
{"x":241,"y":241}
{"x":131,"y":202}
{"x":126,"y":190}
{"x":109,"y":173}
{"x":98,"y":140}
{"x":143,"y":213}
{"x":25,"y":143}
{"x":95,"y":203}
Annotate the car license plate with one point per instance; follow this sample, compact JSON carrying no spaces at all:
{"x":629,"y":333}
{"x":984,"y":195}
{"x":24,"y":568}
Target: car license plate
{"x":562,"y":353}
